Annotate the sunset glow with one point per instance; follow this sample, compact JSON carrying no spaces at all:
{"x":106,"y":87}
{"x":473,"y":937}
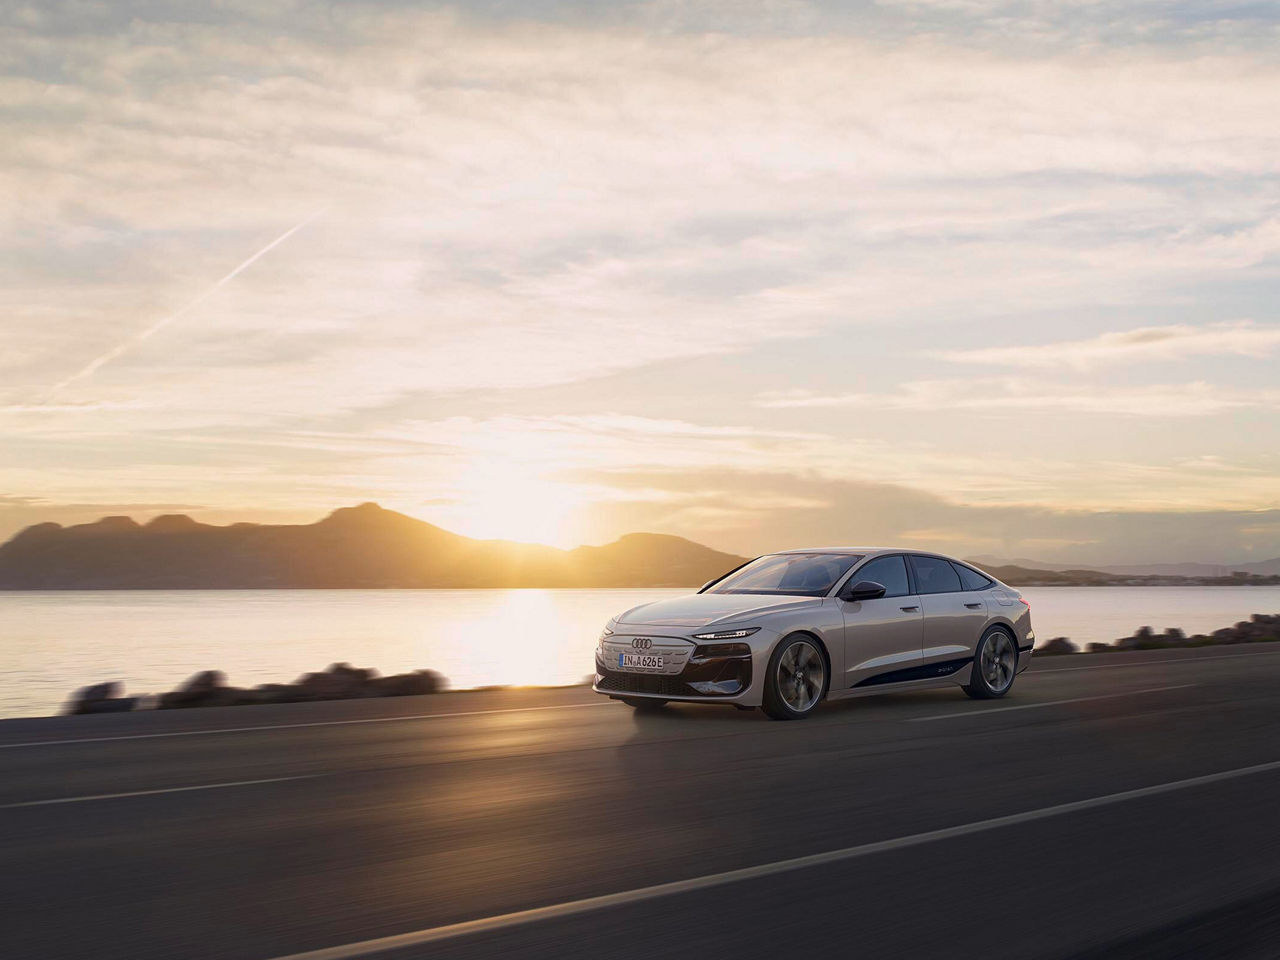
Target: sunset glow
{"x":799,"y":275}
{"x":504,"y":500}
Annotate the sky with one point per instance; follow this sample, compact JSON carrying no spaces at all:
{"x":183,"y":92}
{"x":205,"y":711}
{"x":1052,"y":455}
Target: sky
{"x":987,"y":277}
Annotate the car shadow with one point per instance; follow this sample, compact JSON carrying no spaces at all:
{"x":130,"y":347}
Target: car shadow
{"x":878,"y":706}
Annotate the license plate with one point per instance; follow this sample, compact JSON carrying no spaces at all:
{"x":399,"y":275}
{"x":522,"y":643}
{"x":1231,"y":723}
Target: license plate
{"x":640,"y":661}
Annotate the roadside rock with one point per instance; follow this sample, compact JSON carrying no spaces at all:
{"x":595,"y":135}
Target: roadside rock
{"x":271,"y":693}
{"x":111,"y":690}
{"x":1260,"y":628}
{"x":208,"y":688}
{"x":341,"y":681}
{"x":100,"y":698}
{"x":413,"y":684}
{"x":1056,"y":646}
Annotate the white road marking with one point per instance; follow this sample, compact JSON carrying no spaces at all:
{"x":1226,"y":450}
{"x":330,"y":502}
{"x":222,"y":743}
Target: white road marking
{"x":148,"y":793}
{"x":295,"y":726}
{"x":575,"y":907}
{"x":1047,"y":703}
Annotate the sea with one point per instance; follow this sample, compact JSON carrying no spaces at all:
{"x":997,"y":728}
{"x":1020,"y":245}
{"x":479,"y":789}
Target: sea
{"x":53,"y":642}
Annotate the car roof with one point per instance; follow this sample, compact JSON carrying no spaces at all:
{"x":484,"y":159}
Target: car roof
{"x":870,"y":552}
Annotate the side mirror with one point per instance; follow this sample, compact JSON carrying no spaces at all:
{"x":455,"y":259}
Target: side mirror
{"x":863,"y":590}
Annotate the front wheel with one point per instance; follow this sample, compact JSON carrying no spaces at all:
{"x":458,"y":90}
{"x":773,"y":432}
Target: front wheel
{"x":995,"y":664}
{"x":797,"y":679}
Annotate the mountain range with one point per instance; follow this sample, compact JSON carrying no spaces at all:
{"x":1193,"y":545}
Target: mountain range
{"x":370,"y":547}
{"x":354,"y":547}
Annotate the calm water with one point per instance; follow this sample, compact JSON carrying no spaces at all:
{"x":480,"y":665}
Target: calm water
{"x":54,"y":642}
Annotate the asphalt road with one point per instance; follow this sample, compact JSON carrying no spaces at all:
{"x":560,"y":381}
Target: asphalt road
{"x":1112,"y":806}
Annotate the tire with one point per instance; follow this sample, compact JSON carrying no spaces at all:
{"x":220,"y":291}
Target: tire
{"x":644,"y":703}
{"x":797,"y":678}
{"x":995,"y":665}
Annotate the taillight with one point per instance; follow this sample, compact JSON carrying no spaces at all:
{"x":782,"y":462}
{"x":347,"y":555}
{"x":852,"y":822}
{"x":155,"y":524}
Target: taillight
{"x":1023,"y":601}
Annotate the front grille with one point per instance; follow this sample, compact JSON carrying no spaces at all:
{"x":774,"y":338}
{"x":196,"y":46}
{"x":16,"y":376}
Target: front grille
{"x":674,"y":652}
{"x":644,"y":683}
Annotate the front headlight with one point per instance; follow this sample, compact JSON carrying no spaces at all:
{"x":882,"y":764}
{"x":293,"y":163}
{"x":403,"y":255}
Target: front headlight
{"x":727,"y":634}
{"x":605,"y":633}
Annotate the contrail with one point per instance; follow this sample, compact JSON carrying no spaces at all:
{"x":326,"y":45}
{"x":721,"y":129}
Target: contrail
{"x":160,"y":324}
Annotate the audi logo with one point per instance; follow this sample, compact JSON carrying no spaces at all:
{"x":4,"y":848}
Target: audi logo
{"x":642,"y":643}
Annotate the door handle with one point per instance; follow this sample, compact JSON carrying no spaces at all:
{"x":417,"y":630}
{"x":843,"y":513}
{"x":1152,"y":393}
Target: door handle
{"x":974,"y":606}
{"x":908,"y":609}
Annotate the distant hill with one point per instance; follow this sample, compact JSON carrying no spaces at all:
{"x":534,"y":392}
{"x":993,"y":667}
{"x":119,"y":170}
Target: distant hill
{"x":1262,"y":568}
{"x":355,"y":547}
{"x":1020,"y":576}
{"x":1194,"y":571}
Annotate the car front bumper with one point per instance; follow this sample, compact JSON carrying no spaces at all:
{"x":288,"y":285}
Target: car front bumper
{"x":688,"y":674}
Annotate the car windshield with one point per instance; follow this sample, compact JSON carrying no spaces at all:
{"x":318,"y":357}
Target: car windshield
{"x":798,"y":574}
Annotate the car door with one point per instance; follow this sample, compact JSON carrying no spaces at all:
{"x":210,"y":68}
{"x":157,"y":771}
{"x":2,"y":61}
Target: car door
{"x":883,"y":636}
{"x":953,"y":616}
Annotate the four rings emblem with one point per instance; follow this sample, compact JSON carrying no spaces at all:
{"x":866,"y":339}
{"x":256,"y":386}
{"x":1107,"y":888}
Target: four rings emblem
{"x":642,"y":643}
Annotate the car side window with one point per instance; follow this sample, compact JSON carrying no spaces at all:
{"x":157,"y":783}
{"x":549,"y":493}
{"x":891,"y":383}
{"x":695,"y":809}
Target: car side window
{"x":890,"y":571}
{"x":935,"y":575}
{"x":971,"y":579}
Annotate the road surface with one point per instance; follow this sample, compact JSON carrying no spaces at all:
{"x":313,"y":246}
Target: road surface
{"x":1112,"y":806}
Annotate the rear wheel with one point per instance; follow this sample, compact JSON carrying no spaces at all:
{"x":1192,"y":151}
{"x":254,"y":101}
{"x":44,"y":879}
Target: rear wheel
{"x":796,"y":680}
{"x":994,"y":665}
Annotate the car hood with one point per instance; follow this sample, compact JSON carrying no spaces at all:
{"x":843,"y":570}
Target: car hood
{"x":701,"y":609}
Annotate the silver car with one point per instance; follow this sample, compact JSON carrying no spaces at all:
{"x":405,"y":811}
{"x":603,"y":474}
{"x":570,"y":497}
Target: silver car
{"x":789,"y":630}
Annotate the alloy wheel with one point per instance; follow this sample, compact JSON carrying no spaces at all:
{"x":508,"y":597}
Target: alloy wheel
{"x":802,"y":673}
{"x":998,"y":661}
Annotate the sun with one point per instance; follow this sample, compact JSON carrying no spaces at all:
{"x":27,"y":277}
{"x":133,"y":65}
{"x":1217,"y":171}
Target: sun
{"x":505,"y":500}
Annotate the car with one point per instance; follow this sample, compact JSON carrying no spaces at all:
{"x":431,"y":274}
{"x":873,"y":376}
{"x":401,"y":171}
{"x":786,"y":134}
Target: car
{"x":789,"y":630}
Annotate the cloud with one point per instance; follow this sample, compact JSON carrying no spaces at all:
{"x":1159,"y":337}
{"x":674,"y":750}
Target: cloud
{"x":158,"y":325}
{"x":1139,"y":345}
{"x":737,"y":487}
{"x":86,"y":406}
{"x":601,"y":456}
{"x":520,"y":204}
{"x":1014,"y":396}
{"x":626,"y":201}
{"x":733,"y":509}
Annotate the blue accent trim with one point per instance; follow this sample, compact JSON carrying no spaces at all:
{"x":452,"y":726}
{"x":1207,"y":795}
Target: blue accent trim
{"x":926,"y":671}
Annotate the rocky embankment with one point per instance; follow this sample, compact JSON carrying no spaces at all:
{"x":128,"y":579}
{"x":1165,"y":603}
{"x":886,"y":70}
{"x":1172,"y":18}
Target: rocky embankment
{"x":342,"y":681}
{"x":1260,"y":628}
{"x":209,"y":689}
